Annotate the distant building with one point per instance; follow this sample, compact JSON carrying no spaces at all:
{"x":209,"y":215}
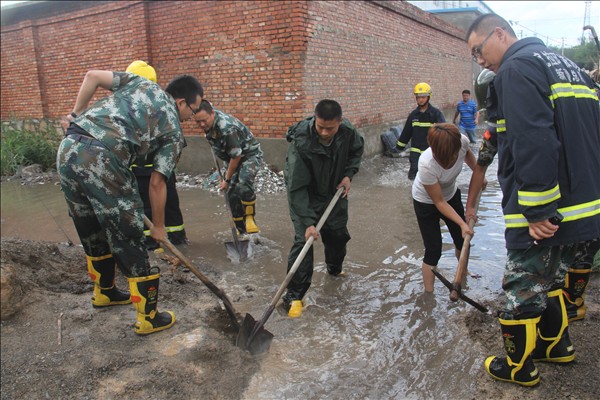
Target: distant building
{"x":458,"y":13}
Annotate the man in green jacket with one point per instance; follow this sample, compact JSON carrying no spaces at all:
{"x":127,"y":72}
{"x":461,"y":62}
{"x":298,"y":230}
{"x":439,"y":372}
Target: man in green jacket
{"x":323,"y":155}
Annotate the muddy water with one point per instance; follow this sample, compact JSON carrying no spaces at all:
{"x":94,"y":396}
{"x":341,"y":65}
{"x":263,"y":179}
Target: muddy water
{"x":367,"y":335}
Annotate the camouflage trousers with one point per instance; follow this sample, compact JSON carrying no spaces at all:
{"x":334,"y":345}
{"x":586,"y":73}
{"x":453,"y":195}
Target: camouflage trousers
{"x":103,"y":200}
{"x":241,"y":187}
{"x":530,"y":274}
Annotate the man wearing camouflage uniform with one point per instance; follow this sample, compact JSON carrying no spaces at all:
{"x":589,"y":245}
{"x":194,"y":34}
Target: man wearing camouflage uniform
{"x":233,"y":143}
{"x":93,"y":163}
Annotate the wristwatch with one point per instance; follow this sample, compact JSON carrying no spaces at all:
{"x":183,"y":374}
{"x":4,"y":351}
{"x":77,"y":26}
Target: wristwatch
{"x":73,"y":114}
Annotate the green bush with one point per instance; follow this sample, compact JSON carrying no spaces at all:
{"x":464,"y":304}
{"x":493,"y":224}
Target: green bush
{"x":27,"y":143}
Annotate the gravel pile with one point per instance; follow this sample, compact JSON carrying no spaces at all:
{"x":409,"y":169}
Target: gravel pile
{"x":267,"y":180}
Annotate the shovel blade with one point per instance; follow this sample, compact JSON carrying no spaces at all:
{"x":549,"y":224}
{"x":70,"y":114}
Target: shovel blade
{"x":257,"y":344}
{"x":238,"y":253}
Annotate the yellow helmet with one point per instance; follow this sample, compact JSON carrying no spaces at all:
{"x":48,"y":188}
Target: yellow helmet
{"x":422,"y":89}
{"x":142,"y":69}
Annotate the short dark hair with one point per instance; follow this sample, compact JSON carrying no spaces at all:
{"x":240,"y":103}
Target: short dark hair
{"x":185,"y":87}
{"x":206,"y":105}
{"x":466,"y":91}
{"x":328,"y":110}
{"x":486,"y":23}
{"x":445,"y":142}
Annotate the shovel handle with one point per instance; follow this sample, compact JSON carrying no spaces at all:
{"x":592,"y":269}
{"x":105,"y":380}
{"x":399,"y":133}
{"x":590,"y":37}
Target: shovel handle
{"x":463,"y":260}
{"x":188,"y":264}
{"x":236,"y":240}
{"x":296,"y":264}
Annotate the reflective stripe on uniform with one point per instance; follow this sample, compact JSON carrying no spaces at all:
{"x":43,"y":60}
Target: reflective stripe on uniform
{"x":169,"y":229}
{"x":501,"y":126}
{"x":568,"y":90}
{"x":571,"y":213}
{"x":416,"y":150}
{"x":401,"y":144}
{"x":422,"y":124}
{"x":538,"y":198}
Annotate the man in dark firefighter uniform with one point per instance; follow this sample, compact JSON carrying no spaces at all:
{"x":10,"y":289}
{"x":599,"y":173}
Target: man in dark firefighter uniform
{"x":578,"y":275}
{"x":323,"y":155}
{"x":548,"y":136}
{"x":142,"y":169}
{"x":417,"y":125}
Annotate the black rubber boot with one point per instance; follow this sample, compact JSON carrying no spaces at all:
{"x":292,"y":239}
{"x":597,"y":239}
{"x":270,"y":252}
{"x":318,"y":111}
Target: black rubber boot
{"x":144,"y":294}
{"x":519,"y":342}
{"x":102,"y":272}
{"x":240,"y":224}
{"x":553,"y":342}
{"x":575,"y":283}
{"x":334,"y":270}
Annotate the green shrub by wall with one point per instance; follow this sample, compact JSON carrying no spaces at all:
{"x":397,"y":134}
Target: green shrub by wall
{"x":28,"y":142}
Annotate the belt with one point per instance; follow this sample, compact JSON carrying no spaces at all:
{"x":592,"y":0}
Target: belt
{"x":85,"y":139}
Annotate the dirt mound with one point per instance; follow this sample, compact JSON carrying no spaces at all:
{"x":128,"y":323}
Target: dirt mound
{"x":55,"y":345}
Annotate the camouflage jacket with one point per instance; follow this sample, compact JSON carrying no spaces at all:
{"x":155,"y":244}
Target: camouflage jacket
{"x":230,"y":138}
{"x":136,"y":120}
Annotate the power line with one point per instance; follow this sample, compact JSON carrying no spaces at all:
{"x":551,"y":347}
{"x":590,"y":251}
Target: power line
{"x":535,"y":33}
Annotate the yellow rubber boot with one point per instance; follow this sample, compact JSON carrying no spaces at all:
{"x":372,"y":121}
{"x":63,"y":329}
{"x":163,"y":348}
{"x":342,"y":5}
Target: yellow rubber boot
{"x":144,"y":295}
{"x":295,"y":309}
{"x":102,"y":272}
{"x":519,"y":341}
{"x":250,"y":210}
{"x":553,"y":342}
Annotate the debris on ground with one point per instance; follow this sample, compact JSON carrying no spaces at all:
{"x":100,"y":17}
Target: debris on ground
{"x":267,"y":180}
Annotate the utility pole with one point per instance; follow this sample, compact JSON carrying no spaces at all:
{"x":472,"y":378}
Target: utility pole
{"x":586,"y":19}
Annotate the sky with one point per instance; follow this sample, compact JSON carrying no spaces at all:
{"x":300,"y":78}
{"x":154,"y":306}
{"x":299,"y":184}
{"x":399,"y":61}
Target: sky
{"x":551,"y":21}
{"x":557,"y":23}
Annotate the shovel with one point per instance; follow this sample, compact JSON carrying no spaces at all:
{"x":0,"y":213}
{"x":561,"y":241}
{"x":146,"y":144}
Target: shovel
{"x":213,"y":288}
{"x":252,"y":335}
{"x":463,"y":260}
{"x":238,"y":248}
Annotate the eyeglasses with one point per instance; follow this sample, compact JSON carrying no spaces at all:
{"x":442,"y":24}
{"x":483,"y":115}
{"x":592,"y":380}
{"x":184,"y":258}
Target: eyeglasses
{"x":476,"y":52}
{"x":194,"y":112}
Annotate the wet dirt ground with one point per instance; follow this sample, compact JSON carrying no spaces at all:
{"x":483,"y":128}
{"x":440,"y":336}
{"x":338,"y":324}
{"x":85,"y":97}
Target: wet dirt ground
{"x":367,"y":335}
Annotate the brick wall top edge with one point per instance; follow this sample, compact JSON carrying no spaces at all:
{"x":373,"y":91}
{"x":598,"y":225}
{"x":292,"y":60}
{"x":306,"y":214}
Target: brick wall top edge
{"x":413,"y":12}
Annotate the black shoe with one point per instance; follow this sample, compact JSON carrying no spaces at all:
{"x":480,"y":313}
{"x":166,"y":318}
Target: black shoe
{"x":334,"y":270}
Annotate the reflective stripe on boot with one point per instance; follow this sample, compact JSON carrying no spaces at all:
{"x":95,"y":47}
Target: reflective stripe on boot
{"x":553,"y":343}
{"x":576,"y":281}
{"x":144,"y":295}
{"x":519,"y":341}
{"x":101,"y":271}
{"x":250,"y":210}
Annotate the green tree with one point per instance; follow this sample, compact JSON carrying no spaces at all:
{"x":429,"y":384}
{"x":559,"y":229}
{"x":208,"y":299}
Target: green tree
{"x":585,"y":55}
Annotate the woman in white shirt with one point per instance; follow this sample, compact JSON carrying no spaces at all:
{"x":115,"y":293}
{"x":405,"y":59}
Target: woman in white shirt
{"x":436,"y":195}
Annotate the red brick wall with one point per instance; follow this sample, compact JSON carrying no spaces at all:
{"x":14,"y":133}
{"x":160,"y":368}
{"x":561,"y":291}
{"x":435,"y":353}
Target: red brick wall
{"x":266,"y":62}
{"x":370,"y":57}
